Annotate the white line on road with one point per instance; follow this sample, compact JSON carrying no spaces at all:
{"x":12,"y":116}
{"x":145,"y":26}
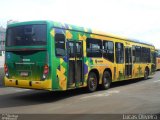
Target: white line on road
{"x":97,"y":95}
{"x":157,"y":81}
{"x":21,"y":90}
{"x":101,"y":94}
{"x":113,"y":91}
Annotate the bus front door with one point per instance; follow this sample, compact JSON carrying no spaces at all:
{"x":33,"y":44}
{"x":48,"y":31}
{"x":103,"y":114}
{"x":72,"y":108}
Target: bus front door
{"x":128,"y":62}
{"x":75,"y":65}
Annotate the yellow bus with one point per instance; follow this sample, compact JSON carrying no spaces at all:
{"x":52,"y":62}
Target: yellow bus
{"x":55,"y":56}
{"x":157,"y":59}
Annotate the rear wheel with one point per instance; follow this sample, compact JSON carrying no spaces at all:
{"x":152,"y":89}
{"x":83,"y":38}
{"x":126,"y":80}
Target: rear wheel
{"x":106,"y":80}
{"x":92,"y":82}
{"x":146,"y":74}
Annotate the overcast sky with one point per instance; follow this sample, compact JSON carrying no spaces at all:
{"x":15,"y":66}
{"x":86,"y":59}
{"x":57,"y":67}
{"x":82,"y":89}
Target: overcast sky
{"x":136,"y":19}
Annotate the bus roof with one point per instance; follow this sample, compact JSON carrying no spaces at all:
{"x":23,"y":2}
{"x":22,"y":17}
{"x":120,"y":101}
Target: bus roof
{"x":76,"y":28}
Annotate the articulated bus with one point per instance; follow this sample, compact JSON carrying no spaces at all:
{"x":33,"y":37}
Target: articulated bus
{"x":54,"y":56}
{"x":157,"y":59}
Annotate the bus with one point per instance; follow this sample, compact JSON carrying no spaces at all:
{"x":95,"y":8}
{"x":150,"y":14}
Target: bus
{"x":55,"y":56}
{"x":157,"y":59}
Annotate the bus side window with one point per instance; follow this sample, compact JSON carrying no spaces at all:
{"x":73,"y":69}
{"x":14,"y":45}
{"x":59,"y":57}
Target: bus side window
{"x":119,"y":52}
{"x":60,"y":45}
{"x":71,"y":49}
{"x":133,"y":54}
{"x":108,"y":52}
{"x":79,"y":49}
{"x":146,"y":55}
{"x":158,"y":53}
{"x":138,"y":57}
{"x":94,"y":47}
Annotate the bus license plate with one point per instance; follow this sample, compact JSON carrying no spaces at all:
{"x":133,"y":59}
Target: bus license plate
{"x":24,"y":74}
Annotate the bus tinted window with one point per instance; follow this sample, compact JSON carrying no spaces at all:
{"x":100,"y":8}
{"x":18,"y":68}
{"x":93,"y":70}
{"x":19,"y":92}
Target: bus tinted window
{"x":119,"y":53}
{"x":138,"y":54}
{"x":134,"y":53}
{"x":108,"y":50}
{"x":158,"y":54}
{"x":94,"y":47}
{"x":26,"y":35}
{"x":60,"y":45}
{"x":146,"y":55}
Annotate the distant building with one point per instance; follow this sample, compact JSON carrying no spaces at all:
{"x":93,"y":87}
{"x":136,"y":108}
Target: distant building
{"x":2,"y":40}
{"x":11,"y":21}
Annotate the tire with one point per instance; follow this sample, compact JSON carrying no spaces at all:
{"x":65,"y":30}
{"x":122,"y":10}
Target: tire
{"x":92,"y":82}
{"x":106,"y":80}
{"x":146,"y":74}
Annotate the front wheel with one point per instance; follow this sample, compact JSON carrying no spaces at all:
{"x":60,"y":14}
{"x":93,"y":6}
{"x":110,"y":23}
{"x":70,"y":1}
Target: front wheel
{"x":92,"y":82}
{"x":106,"y":80}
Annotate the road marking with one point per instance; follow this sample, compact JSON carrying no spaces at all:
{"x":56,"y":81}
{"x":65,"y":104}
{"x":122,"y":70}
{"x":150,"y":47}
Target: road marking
{"x":105,"y":94}
{"x":114,"y":91}
{"x":97,"y":95}
{"x":157,"y":81}
{"x":21,"y":90}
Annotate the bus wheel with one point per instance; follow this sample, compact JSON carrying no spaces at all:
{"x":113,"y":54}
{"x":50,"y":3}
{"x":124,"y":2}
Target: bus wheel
{"x":92,"y":82}
{"x":106,"y":80}
{"x":146,"y":74}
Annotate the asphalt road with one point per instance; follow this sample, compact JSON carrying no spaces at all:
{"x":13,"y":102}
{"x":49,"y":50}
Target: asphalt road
{"x":134,"y":96}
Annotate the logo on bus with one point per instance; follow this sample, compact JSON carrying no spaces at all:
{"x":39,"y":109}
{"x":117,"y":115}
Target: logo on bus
{"x":25,"y":60}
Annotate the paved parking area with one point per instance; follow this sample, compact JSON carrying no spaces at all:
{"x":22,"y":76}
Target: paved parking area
{"x":134,"y":96}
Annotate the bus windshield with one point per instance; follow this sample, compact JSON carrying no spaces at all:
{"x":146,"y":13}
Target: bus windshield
{"x":26,"y":35}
